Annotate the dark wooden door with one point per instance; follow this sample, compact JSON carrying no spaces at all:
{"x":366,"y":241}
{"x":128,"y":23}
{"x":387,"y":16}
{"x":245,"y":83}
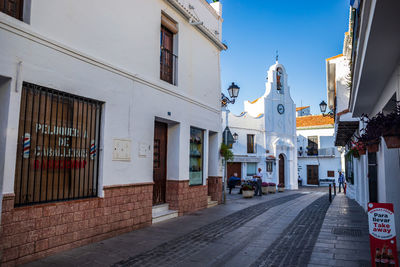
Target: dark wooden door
{"x":234,"y":167}
{"x":312,"y":175}
{"x":159,"y":162}
{"x":373,"y":177}
{"x":281,"y":169}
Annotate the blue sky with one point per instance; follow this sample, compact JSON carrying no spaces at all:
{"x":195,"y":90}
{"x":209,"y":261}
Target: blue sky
{"x":304,"y":32}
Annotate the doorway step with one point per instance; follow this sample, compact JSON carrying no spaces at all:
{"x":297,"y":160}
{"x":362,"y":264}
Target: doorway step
{"x":162,"y":213}
{"x":211,"y":203}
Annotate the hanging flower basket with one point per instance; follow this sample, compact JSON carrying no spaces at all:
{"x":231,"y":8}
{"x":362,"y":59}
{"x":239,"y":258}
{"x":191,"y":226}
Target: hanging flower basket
{"x":392,"y":137}
{"x":373,"y":146}
{"x":392,"y":141}
{"x":362,"y":151}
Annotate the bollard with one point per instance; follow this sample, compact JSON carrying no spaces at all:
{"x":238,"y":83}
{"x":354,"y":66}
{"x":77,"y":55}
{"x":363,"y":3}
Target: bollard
{"x":330,"y":193}
{"x":344,"y":188}
{"x":334,"y":188}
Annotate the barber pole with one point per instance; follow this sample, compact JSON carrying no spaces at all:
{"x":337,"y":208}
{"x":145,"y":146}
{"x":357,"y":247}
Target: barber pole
{"x":27,"y":145}
{"x":92,"y":150}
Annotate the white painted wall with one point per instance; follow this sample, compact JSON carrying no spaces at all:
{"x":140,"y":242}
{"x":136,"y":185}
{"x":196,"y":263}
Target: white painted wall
{"x":274,"y":132}
{"x":325,"y":164}
{"x":114,"y":57}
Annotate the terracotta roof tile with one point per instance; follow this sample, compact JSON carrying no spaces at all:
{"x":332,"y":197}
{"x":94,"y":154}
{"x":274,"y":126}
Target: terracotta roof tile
{"x":301,"y":108}
{"x":313,"y":120}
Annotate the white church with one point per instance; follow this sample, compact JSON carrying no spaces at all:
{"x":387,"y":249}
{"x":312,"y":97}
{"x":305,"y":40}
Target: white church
{"x":265,"y":133}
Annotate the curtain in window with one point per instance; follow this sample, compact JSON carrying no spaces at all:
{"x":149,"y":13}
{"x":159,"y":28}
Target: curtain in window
{"x":251,"y":169}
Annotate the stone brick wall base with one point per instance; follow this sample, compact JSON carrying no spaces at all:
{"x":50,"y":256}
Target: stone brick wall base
{"x":32,"y":232}
{"x":184,"y":198}
{"x":215,"y":188}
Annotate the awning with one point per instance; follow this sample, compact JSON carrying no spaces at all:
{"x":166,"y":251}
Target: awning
{"x":345,"y":130}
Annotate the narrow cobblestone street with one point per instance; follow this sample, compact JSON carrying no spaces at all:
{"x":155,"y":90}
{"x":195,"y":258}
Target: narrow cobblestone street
{"x":294,"y":228}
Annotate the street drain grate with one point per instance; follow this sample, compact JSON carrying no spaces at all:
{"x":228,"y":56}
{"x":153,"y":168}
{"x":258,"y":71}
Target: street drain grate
{"x":346,"y":231}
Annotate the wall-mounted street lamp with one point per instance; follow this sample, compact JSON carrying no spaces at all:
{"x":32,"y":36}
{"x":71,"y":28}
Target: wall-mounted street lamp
{"x":322,"y":107}
{"x":235,"y":137}
{"x":233,"y":91}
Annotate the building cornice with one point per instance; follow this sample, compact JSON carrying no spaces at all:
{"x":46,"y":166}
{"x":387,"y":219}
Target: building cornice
{"x":204,"y":30}
{"x":23,"y":30}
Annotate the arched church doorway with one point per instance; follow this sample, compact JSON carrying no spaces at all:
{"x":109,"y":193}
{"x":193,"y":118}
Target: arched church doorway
{"x":281,"y":169}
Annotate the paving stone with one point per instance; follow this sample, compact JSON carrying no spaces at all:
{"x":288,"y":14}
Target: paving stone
{"x":295,"y":245}
{"x":198,"y":239}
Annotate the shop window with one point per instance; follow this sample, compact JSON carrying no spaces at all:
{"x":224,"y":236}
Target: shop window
{"x":13,"y":8}
{"x":196,"y":156}
{"x":331,"y":173}
{"x":251,"y":169}
{"x":251,"y":144}
{"x":58,"y":138}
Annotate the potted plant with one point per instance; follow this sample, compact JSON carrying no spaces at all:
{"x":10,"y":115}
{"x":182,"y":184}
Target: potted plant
{"x":225,"y":152}
{"x":352,"y":152}
{"x":281,"y":187}
{"x":247,"y":191}
{"x":264,"y":188}
{"x":391,"y":128}
{"x":372,"y":133}
{"x":271,"y":187}
{"x":359,"y":148}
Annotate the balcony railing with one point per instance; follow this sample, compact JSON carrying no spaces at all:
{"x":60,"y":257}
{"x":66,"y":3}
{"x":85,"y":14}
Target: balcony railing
{"x":168,"y":66}
{"x":322,"y":152}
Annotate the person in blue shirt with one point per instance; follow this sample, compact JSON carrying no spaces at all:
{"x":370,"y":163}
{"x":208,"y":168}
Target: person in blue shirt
{"x":233,"y":181}
{"x":341,"y":181}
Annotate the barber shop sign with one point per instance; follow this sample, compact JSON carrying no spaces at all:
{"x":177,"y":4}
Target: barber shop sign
{"x":382,"y":234}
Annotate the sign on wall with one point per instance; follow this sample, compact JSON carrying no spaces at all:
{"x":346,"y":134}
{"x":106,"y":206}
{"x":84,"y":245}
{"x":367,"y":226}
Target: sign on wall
{"x":57,"y":153}
{"x":382,"y":234}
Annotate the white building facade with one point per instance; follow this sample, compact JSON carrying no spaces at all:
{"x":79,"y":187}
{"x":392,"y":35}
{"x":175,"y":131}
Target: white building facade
{"x":266,"y":133}
{"x":319,"y":161}
{"x":106,"y":110}
{"x":372,"y":40}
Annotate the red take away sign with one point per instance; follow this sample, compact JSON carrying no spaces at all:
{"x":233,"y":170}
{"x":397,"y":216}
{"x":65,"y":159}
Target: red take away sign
{"x":382,"y":235}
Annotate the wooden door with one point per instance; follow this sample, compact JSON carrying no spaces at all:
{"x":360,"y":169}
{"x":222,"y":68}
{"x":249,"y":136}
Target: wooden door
{"x":312,"y":175}
{"x":159,"y":163}
{"x":234,"y":167}
{"x":373,"y":177}
{"x":281,"y":169}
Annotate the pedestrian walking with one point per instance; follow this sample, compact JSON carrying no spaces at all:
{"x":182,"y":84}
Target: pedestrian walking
{"x":257,"y":181}
{"x":341,"y":181}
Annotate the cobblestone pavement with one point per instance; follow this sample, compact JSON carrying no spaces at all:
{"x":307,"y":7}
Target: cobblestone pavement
{"x":344,"y":237}
{"x":175,"y":251}
{"x":296,"y":243}
{"x":281,"y":229}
